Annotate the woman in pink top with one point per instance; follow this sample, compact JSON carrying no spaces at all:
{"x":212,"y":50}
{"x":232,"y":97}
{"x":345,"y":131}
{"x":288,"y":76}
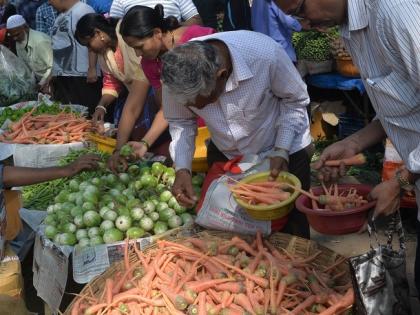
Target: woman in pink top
{"x":134,"y":113}
{"x":151,"y":35}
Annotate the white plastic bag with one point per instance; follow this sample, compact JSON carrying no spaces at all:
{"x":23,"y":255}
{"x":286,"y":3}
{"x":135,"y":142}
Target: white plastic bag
{"x":17,"y":82}
{"x":219,"y":210}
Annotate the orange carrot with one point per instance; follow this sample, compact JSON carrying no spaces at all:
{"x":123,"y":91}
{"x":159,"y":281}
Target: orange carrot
{"x":242,"y":300}
{"x":108,"y":287}
{"x":95,"y":309}
{"x":304,"y":305}
{"x":202,"y":304}
{"x":177,"y":300}
{"x":201,"y":286}
{"x":232,"y":287}
{"x":358,"y":159}
{"x":75,"y":310}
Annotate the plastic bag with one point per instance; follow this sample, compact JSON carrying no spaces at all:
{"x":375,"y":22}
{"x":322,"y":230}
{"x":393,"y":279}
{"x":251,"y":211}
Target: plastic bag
{"x":17,"y":82}
{"x":379,"y":276}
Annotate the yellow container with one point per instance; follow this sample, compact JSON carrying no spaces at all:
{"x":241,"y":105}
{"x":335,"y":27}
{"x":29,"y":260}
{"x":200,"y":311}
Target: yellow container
{"x":199,"y":163}
{"x":274,"y":211}
{"x":104,"y":144}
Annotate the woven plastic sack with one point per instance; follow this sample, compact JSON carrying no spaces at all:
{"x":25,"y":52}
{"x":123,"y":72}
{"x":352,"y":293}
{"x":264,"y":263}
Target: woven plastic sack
{"x":17,"y":82}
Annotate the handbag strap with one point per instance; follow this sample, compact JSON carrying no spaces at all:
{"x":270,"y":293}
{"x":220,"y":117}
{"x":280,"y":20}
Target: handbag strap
{"x":394,"y":226}
{"x":371,"y":229}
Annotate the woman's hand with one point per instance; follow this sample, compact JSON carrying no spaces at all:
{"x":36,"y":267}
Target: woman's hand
{"x":117,"y":163}
{"x":98,"y":117}
{"x":139,"y":149}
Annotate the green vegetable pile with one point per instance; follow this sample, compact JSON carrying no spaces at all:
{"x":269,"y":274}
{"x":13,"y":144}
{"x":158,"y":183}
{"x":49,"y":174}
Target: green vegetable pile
{"x":109,"y":208}
{"x":312,"y":46}
{"x":39,"y":196}
{"x":42,"y":108}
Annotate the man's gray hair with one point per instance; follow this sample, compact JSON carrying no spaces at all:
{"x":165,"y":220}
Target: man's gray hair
{"x":190,"y":70}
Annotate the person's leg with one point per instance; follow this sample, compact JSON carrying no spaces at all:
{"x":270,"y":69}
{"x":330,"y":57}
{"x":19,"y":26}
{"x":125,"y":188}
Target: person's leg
{"x":417,"y":261}
{"x":214,"y":155}
{"x":299,"y":165}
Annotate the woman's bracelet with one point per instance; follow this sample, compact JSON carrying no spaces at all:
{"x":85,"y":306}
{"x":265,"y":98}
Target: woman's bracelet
{"x":101,"y":107}
{"x":145,"y":143}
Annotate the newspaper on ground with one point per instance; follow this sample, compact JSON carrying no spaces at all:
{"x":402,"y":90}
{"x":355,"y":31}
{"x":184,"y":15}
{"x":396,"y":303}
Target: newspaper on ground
{"x":50,"y":268}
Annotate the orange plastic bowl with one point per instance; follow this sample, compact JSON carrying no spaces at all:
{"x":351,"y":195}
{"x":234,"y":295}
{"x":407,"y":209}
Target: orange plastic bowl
{"x":336,"y":222}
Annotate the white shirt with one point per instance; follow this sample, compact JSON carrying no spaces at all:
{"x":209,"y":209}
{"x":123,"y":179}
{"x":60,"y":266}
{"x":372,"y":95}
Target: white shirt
{"x":36,"y":52}
{"x":263,"y":106}
{"x":70,"y":58}
{"x":383,"y":38}
{"x":181,"y":9}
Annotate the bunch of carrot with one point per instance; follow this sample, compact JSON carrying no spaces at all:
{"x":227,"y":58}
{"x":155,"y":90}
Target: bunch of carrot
{"x":214,"y":276}
{"x":260,"y":193}
{"x":47,"y":129}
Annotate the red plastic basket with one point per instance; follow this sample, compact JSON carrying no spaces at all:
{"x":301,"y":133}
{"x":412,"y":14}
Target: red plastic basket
{"x":336,"y":222}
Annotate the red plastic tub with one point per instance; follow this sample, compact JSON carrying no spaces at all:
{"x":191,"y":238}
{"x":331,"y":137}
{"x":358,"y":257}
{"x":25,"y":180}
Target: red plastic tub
{"x":336,"y":222}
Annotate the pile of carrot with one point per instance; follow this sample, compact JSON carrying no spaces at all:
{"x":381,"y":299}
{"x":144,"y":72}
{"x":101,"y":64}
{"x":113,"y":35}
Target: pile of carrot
{"x":260,"y":193}
{"x":225,"y":277}
{"x":47,"y":129}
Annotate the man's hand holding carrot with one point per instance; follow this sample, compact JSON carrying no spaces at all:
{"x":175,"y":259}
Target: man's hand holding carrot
{"x":340,"y":150}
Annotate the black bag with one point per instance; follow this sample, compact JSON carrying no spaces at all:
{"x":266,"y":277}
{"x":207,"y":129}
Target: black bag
{"x":379,"y":277}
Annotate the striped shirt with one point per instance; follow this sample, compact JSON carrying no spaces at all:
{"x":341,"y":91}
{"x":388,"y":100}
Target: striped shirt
{"x":183,"y":10}
{"x":383,"y":38}
{"x":263,"y":105}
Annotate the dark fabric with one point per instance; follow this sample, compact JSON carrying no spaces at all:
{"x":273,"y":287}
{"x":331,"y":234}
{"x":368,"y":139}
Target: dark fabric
{"x":8,"y":12}
{"x":75,"y":90}
{"x":417,"y":262}
{"x":299,"y":165}
{"x":208,"y":10}
{"x":237,"y":15}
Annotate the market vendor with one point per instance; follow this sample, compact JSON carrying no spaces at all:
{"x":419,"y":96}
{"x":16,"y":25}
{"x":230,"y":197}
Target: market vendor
{"x":33,"y":47}
{"x":11,"y":176}
{"x":383,"y":39}
{"x":252,"y":99}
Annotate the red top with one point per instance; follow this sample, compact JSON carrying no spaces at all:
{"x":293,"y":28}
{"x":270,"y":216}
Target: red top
{"x":152,"y":67}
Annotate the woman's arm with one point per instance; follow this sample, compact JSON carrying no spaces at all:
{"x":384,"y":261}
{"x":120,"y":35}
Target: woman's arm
{"x":131,"y":111}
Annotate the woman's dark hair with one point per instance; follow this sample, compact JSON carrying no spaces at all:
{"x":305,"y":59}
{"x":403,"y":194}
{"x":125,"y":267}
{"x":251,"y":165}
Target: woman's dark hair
{"x":85,"y":28}
{"x":140,"y":21}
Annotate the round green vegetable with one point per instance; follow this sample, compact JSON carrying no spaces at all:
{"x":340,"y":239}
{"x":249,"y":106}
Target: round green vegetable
{"x":50,"y":231}
{"x":91,"y":218}
{"x":112,"y":236}
{"x":160,"y":227}
{"x":123,"y":223}
{"x":135,"y":233}
{"x":174,"y":222}
{"x":146,"y":224}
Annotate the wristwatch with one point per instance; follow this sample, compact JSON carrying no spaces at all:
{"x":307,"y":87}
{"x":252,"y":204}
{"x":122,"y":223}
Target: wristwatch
{"x":403,"y":181}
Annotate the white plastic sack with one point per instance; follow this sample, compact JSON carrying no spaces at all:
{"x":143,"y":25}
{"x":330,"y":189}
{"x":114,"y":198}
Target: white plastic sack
{"x":220,"y":211}
{"x":16,"y":80}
